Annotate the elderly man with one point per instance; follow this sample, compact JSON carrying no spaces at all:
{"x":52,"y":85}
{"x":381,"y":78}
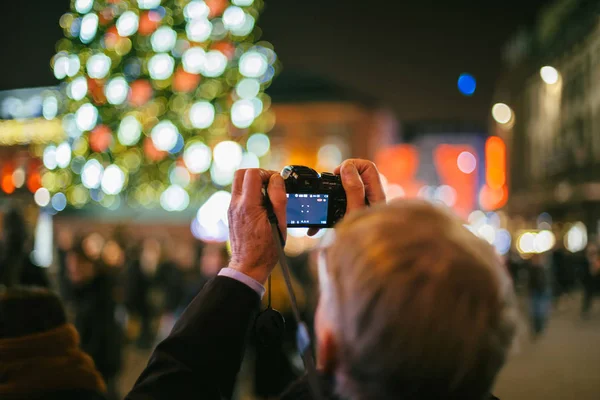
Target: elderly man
{"x":412,"y":306}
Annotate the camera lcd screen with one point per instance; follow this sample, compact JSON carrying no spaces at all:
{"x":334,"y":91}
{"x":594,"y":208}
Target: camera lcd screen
{"x":307,"y":209}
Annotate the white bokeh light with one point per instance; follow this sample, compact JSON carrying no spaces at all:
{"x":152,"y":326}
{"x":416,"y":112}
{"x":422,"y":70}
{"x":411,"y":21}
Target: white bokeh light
{"x":248,"y":88}
{"x":221,"y":176}
{"x":42,"y":197}
{"x":227,"y":155}
{"x":174,"y":198}
{"x":148,"y":4}
{"x":215,"y":64}
{"x":253,"y":64}
{"x":549,"y":75}
{"x":49,"y":157}
{"x":249,"y":160}
{"x":526,"y":243}
{"x":83,"y":6}
{"x":73,"y":65}
{"x":60,"y":66}
{"x":576,"y":238}
{"x":502,"y":113}
{"x":202,"y":114}
{"x":234,"y":17}
{"x":258,"y":144}
{"x":86,"y":117}
{"x":50,"y":107}
{"x":129,"y":131}
{"x":18,"y":177}
{"x":446,"y":194}
{"x":257,"y":104}
{"x":161,"y":66}
{"x":164,"y":135}
{"x":544,"y":241}
{"x":193,"y":60}
{"x":198,"y":30}
{"x":197,"y":158}
{"x":89,"y":27}
{"x":487,"y":233}
{"x":91,"y":174}
{"x":196,"y":10}
{"x":163,"y":39}
{"x":502,"y":242}
{"x":242,"y":113}
{"x":215,"y":209}
{"x":63,"y":155}
{"x":98,"y":66}
{"x":117,"y":90}
{"x":466,"y":162}
{"x":211,"y":222}
{"x":113,"y":180}
{"x":246,"y":28}
{"x":77,"y":89}
{"x":243,"y":3}
{"x":127,"y":24}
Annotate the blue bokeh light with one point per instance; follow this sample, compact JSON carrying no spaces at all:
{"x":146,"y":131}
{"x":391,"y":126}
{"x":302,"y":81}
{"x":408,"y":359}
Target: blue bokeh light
{"x":467,"y":84}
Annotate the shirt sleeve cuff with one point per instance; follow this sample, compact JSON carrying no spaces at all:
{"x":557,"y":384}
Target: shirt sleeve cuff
{"x":245,"y":279}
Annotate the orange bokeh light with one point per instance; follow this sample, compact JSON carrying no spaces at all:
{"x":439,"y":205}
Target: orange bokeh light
{"x":184,"y":81}
{"x":495,"y":162}
{"x":7,"y":183}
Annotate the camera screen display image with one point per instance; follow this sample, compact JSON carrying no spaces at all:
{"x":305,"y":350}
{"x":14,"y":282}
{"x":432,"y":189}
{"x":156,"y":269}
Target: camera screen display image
{"x":307,"y":209}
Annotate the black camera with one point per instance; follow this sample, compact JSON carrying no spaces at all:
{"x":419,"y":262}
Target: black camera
{"x":314,"y":200}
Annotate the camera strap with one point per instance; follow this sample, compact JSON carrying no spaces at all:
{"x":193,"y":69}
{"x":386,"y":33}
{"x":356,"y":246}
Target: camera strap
{"x":303,"y":341}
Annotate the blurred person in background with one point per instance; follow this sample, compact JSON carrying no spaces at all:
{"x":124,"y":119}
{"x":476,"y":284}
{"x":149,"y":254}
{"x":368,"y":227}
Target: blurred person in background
{"x":563,"y":273}
{"x":15,"y":262}
{"x":540,"y":298}
{"x":412,"y":305}
{"x":590,"y":278}
{"x":64,"y":243}
{"x":144,"y":290}
{"x":40,"y":357}
{"x":94,"y":307}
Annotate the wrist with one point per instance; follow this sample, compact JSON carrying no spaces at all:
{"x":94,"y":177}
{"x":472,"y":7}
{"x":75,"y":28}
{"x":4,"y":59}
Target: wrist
{"x":258,"y":273}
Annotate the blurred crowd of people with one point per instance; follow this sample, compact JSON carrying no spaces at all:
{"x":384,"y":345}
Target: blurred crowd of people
{"x":119,"y":292}
{"x":548,"y":278}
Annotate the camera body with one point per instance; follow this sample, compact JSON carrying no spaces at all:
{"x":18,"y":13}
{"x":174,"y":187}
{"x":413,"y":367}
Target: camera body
{"x":314,"y":200}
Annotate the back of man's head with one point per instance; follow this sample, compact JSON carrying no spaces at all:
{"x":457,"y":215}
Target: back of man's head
{"x":419,"y":307}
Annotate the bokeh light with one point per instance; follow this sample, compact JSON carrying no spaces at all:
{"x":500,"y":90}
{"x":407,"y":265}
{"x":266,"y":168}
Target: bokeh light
{"x":197,"y":158}
{"x":258,"y":144}
{"x":549,"y":75}
{"x":576,"y":238}
{"x":466,"y":162}
{"x":502,"y":113}
{"x":467,"y":84}
{"x":227,"y":155}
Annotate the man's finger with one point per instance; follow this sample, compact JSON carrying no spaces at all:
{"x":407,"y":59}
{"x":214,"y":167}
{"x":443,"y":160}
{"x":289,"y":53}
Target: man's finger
{"x":353,"y":186}
{"x":238,"y":182}
{"x":254,"y":181}
{"x":370,"y":177}
{"x":277,"y":195}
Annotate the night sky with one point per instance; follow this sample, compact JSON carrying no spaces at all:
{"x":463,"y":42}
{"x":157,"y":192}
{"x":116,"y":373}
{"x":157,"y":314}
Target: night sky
{"x":407,"y":54}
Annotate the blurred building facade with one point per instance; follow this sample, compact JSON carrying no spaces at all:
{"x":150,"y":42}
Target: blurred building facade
{"x":551,"y":85}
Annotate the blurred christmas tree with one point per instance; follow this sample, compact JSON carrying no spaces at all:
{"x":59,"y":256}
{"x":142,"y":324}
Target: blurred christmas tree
{"x":160,"y":95}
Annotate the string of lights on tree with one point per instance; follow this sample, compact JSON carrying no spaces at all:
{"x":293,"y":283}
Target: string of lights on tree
{"x":164,"y":101}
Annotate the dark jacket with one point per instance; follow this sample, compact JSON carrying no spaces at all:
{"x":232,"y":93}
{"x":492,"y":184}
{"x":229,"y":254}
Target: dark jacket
{"x":202,"y":355}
